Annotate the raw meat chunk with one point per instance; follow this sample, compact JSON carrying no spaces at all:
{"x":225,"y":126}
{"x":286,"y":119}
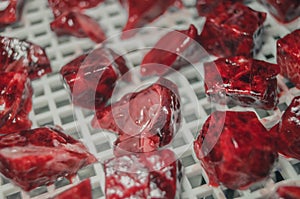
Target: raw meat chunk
{"x":244,"y":81}
{"x":235,"y":149}
{"x":233,"y":29}
{"x":147,"y":175}
{"x":15,"y":102}
{"x":145,"y":120}
{"x":283,"y":10}
{"x":37,"y":157}
{"x":142,"y":12}
{"x":78,"y":25}
{"x":167,"y":51}
{"x":288,"y":56}
{"x":91,"y":77}
{"x":18,"y":55}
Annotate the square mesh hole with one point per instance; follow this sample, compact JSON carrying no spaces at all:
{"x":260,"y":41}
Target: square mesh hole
{"x":38,"y":191}
{"x":39,"y":91}
{"x":45,"y":121}
{"x":282,"y":106}
{"x":206,"y":197}
{"x":297,"y":167}
{"x":196,"y":181}
{"x":102,"y":147}
{"x":188,"y":161}
{"x":61,"y":183}
{"x":178,"y":142}
{"x":276,"y":176}
{"x":56,"y":86}
{"x":41,"y":108}
{"x":97,"y":192}
{"x":14,"y":196}
{"x":62,"y":102}
{"x":67,"y":118}
{"x":74,"y":132}
{"x":86,"y":172}
{"x":229,"y":193}
{"x":201,"y":95}
{"x":4,"y":180}
{"x":191,"y":117}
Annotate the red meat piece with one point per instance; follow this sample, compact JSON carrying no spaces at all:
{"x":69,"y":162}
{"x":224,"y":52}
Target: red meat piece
{"x":167,"y":51}
{"x":287,"y":132}
{"x":207,"y":7}
{"x":91,"y":77}
{"x":245,"y":82}
{"x":78,"y":25}
{"x":15,"y":102}
{"x":38,"y":157}
{"x":142,"y":12}
{"x":288,"y":56}
{"x":80,"y":191}
{"x":147,"y":175}
{"x":18,"y":55}
{"x":145,"y":120}
{"x":60,"y":6}
{"x":283,"y":10}
{"x":10,"y":11}
{"x":235,"y":149}
{"x":288,"y":192}
{"x":233,"y":29}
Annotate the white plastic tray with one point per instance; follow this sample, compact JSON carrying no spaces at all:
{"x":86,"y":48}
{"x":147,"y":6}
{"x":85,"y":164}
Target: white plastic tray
{"x":51,"y":104}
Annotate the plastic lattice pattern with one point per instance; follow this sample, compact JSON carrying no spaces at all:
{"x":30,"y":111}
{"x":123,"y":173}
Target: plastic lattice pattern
{"x":51,"y":103}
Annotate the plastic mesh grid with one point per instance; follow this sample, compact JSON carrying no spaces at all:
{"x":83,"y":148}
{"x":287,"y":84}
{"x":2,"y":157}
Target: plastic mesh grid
{"x":51,"y":103}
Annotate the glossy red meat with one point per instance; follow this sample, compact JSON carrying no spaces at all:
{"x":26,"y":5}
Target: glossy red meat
{"x":235,"y":149}
{"x":145,"y":120}
{"x":18,"y":55}
{"x":38,"y":157}
{"x":233,"y":29}
{"x":142,"y":12}
{"x":60,"y":6}
{"x":283,"y":10}
{"x":288,"y":56}
{"x":147,"y":175}
{"x":10,"y":11}
{"x":15,"y":102}
{"x":288,"y":192}
{"x":91,"y":77}
{"x":78,"y":25}
{"x":81,"y":191}
{"x":245,"y":82}
{"x":167,"y":51}
{"x":287,"y":133}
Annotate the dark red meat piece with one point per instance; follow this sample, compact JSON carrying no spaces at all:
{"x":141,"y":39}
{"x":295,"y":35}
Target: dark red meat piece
{"x":10,"y":11}
{"x":142,"y":12}
{"x":15,"y":102}
{"x":288,"y":192}
{"x":245,"y":82}
{"x":91,"y":77}
{"x":283,"y":10}
{"x":288,"y":56}
{"x":233,"y":29}
{"x":18,"y":55}
{"x":286,"y":133}
{"x":207,"y":7}
{"x":38,"y":157}
{"x":78,"y":25}
{"x":145,"y":120}
{"x":235,"y":149}
{"x":60,"y":6}
{"x":168,"y":50}
{"x":81,"y":191}
{"x":147,"y":175}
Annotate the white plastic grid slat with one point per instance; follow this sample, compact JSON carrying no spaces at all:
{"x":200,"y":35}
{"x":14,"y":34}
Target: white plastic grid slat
{"x":51,"y":103}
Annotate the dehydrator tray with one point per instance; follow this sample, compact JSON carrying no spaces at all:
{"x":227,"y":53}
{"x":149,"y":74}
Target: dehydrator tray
{"x":52,"y":105}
